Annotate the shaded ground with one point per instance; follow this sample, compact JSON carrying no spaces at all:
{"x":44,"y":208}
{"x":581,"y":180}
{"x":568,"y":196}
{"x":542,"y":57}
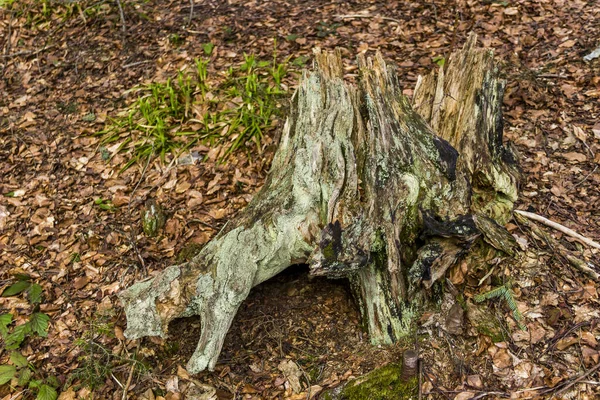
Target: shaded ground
{"x":61,"y":66}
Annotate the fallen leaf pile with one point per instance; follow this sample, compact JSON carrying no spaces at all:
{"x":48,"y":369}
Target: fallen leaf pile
{"x":72,"y":223}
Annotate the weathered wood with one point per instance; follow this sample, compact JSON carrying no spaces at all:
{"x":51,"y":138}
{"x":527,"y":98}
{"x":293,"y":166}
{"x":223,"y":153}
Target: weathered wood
{"x":362,"y":188}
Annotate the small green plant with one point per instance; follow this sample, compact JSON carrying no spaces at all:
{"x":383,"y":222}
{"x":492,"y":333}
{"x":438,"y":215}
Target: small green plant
{"x":75,"y":257}
{"x":208,"y":48}
{"x":300,"y":61}
{"x":104,"y":204}
{"x":6,"y":3}
{"x":504,"y":292}
{"x":176,"y":39}
{"x":439,"y":60}
{"x":97,"y":362}
{"x":18,"y":371}
{"x":324,"y":29}
{"x":237,"y":106}
{"x":67,"y":108}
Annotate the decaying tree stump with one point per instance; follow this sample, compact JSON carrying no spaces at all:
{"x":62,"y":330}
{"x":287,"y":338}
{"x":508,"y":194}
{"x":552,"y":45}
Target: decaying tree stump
{"x":364,"y":186}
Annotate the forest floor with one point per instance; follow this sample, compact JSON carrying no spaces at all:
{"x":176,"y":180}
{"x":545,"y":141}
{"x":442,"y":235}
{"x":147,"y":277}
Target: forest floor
{"x":70,"y":220}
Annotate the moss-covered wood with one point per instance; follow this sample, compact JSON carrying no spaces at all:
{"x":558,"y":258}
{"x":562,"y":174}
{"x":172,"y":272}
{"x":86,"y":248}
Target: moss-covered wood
{"x":364,"y":186}
{"x":384,"y":383}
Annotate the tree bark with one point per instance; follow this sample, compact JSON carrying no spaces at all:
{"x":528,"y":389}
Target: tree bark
{"x":364,"y":186}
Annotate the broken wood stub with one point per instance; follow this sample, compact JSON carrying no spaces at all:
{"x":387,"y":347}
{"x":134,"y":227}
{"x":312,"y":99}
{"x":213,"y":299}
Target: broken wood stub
{"x":362,"y":188}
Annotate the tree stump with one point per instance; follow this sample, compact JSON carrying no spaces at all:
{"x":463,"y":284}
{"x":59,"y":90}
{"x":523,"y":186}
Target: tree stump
{"x":364,"y":186}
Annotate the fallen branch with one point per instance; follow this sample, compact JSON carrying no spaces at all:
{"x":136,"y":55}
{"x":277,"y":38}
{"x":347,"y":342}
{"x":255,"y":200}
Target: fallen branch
{"x":581,"y":265}
{"x":28,"y":52}
{"x":133,"y":64}
{"x":579,"y":379}
{"x":558,"y":227}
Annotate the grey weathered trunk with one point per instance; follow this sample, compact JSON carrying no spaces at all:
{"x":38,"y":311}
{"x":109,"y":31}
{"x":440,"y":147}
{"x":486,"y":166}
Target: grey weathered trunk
{"x":365,"y":186}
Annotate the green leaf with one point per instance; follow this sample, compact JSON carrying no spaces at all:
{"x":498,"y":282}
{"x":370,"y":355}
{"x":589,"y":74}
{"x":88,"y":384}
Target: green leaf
{"x":208,"y":48}
{"x":16,"y":337}
{"x":15,"y":288}
{"x":106,"y":206}
{"x":18,"y":359}
{"x":35,"y":294}
{"x":35,"y":384}
{"x":439,"y":60}
{"x":46,"y":393}
{"x":52,"y":381}
{"x":7,"y":372}
{"x":39,"y":323}
{"x":5,"y":320}
{"x":24,"y":377}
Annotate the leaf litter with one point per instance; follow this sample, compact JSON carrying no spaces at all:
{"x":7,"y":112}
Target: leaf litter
{"x":71,"y":223}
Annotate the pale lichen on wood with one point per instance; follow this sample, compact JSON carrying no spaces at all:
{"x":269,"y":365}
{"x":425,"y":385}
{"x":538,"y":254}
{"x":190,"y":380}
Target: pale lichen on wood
{"x":363,"y":186}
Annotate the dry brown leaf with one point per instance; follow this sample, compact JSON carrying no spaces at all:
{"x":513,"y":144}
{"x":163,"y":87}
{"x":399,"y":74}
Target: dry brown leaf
{"x":566,"y":342}
{"x":81,"y":282}
{"x":68,"y":394}
{"x":596,"y":130}
{"x":464,"y":396}
{"x":574,"y":156}
{"x":567,"y":44}
{"x":475,"y":381}
{"x":589,"y":338}
{"x":502,"y":359}
{"x":579,"y":133}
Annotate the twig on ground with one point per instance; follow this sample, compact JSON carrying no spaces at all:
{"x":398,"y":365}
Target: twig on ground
{"x":122,"y":15}
{"x":27,"y":52}
{"x":126,"y":388}
{"x":8,"y":35}
{"x":352,"y":16}
{"x":583,"y":267}
{"x":116,"y":380}
{"x":576,"y":381}
{"x":558,"y":227}
{"x":132,"y":231}
{"x":191,"y":12}
{"x":586,"y":177}
{"x":133,"y":64}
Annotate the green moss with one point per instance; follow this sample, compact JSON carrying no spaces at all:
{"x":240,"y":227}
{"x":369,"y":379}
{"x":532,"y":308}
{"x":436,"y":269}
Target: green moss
{"x":485,"y":322}
{"x":377,"y":242}
{"x":381,"y":384}
{"x":329,"y":253}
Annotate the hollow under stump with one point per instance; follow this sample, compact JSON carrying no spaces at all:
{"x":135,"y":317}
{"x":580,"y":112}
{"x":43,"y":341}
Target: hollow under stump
{"x":365,"y":185}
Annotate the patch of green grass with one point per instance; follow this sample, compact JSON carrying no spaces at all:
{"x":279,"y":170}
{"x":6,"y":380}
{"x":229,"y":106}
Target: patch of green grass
{"x":235,"y":108}
{"x":104,"y":204}
{"x":97,"y":362}
{"x":176,"y":39}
